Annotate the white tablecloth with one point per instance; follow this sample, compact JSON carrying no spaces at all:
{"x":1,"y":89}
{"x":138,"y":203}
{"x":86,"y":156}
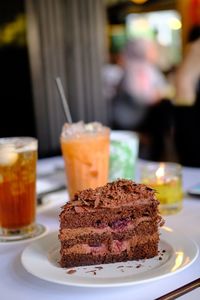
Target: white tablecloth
{"x":17,"y":283}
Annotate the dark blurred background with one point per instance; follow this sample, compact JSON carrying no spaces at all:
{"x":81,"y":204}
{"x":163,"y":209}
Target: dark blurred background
{"x":84,"y":42}
{"x":17,"y":111}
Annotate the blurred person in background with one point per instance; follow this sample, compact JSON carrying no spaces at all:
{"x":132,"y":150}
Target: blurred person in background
{"x":138,"y":104}
{"x":187,"y":103}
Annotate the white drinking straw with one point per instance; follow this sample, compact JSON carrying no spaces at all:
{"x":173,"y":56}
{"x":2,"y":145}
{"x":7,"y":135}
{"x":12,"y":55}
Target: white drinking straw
{"x":63,"y":99}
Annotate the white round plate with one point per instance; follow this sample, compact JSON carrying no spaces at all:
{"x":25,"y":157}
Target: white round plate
{"x":175,"y":254}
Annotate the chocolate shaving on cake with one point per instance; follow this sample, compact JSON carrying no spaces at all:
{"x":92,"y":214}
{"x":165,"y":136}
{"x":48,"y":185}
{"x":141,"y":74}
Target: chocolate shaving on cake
{"x":86,"y":202}
{"x":97,"y":202}
{"x":79,"y":209}
{"x":114,"y":193}
{"x":160,"y":221}
{"x":76,"y":203}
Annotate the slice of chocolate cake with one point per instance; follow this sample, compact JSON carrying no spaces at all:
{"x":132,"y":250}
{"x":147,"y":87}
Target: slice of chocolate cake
{"x":113,"y":223}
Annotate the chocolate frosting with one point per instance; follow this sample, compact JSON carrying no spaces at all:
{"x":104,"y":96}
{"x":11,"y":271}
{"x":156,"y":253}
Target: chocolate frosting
{"x":120,"y":192}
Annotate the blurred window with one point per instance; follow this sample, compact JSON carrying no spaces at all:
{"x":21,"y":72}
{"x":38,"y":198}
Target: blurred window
{"x":162,"y":26}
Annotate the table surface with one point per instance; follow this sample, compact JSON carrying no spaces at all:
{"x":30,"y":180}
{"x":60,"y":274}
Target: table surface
{"x":17,"y":283}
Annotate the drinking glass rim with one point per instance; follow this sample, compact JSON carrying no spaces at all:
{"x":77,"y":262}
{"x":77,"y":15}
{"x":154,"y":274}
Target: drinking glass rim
{"x":22,"y":143}
{"x":155,"y":165}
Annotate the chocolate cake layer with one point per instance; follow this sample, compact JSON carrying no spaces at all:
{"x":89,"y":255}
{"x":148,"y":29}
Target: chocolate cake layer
{"x":95,"y":236}
{"x":141,"y":251}
{"x":117,"y":222}
{"x":110,"y":245}
{"x":84,"y":216}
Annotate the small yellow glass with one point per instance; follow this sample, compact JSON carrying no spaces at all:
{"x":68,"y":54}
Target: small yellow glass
{"x":166,"y":179}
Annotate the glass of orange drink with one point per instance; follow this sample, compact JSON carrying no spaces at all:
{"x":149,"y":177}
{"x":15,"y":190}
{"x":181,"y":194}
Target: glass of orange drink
{"x":18,"y":157}
{"x":85,"y":149}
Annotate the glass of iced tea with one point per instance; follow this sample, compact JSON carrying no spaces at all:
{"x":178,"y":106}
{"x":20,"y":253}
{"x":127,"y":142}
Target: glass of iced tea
{"x":85,"y":149}
{"x":18,"y":157}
